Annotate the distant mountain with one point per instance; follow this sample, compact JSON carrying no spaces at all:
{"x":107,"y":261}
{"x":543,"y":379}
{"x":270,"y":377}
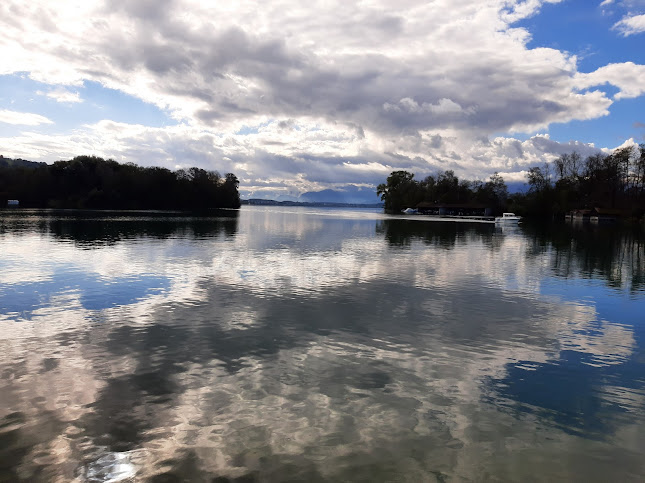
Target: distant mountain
{"x":516,"y":186}
{"x":328,"y":204}
{"x":349,"y":194}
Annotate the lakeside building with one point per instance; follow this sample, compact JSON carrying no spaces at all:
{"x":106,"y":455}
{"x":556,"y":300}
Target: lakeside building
{"x":594,"y":215}
{"x":603,"y":215}
{"x":578,"y":215}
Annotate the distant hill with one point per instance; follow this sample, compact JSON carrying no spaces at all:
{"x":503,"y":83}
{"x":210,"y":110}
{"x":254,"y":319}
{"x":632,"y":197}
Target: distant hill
{"x":90,"y":182}
{"x":19,"y":163}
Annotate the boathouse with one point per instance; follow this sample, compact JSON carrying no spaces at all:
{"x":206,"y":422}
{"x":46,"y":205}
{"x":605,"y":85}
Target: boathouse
{"x":579,"y":215}
{"x":595,"y":215}
{"x":605,"y":215}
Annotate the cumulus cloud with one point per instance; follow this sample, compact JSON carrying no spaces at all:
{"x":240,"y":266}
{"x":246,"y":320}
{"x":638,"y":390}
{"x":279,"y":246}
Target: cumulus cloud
{"x":627,"y":76}
{"x":22,"y":118}
{"x":410,"y":106}
{"x":631,"y":25}
{"x":315,"y":86}
{"x":284,"y":158}
{"x":62,"y":95}
{"x":217,"y":63}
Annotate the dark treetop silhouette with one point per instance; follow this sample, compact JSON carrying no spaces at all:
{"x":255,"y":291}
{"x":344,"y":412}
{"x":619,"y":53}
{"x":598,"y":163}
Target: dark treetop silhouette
{"x":612,"y":182}
{"x":403,"y":191}
{"x":96,"y":183}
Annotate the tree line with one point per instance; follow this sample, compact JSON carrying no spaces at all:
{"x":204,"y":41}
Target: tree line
{"x":95,"y":183}
{"x":402,"y":191}
{"x":613,"y":181}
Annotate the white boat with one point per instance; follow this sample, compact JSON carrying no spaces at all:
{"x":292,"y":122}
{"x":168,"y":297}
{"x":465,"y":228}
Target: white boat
{"x":508,"y":218}
{"x":410,"y":211}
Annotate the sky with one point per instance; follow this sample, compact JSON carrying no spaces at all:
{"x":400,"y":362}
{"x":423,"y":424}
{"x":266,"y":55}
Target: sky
{"x":296,"y":97}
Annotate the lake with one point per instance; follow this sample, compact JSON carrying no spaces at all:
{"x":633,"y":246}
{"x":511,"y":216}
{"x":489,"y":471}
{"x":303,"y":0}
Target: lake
{"x":310,"y":344}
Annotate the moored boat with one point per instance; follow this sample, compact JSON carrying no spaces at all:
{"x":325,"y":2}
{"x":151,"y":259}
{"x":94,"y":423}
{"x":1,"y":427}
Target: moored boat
{"x":508,"y":218}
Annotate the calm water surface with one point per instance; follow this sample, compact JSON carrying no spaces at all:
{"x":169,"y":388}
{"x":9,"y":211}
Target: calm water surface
{"x":302,"y":344}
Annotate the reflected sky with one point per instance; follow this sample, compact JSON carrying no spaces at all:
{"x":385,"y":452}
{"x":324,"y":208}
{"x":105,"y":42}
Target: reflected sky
{"x":314,"y":344}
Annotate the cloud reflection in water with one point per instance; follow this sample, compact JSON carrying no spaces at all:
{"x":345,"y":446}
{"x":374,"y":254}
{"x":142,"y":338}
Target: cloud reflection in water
{"x":309,"y":346}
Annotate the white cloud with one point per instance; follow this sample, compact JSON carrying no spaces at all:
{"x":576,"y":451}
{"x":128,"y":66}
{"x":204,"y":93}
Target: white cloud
{"x":276,"y":161}
{"x":22,"y":118}
{"x":338,"y":61}
{"x":62,"y":95}
{"x":631,"y":25}
{"x":318,"y":86}
{"x":410,"y":106}
{"x":628,"y":77}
